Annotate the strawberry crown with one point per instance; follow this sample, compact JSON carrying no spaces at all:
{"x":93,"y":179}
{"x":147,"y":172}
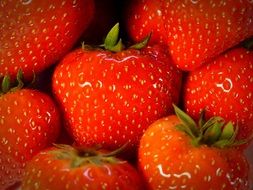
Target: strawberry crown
{"x":114,"y":43}
{"x":80,"y":156}
{"x":7,"y":86}
{"x":213,"y":132}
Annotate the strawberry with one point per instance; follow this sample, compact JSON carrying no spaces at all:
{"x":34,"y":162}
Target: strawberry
{"x":196,"y":31}
{"x":224,"y":87}
{"x":35,"y":34}
{"x":142,"y":17}
{"x":66,"y":167}
{"x":185,"y":155}
{"x":29,"y":122}
{"x":110,"y":98}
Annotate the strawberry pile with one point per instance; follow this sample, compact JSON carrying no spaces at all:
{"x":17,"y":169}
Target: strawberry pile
{"x":131,"y":94}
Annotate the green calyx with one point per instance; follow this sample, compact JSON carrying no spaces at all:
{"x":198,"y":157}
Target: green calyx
{"x":79,"y":156}
{"x":6,"y":85}
{"x":214,"y":132}
{"x":114,"y":43}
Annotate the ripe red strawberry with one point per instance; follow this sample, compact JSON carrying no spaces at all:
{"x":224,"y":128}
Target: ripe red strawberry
{"x":29,"y":122}
{"x":224,"y":87}
{"x":66,"y":168}
{"x":35,"y":34}
{"x":110,"y":98}
{"x":196,"y":31}
{"x":142,"y":17}
{"x":186,"y":156}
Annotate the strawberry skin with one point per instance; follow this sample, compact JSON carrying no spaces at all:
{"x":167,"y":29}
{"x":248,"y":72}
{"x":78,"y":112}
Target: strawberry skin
{"x":29,"y":122}
{"x":224,"y":87}
{"x":195,"y":31}
{"x":35,"y":34}
{"x":201,"y":30}
{"x":172,"y":162}
{"x":111,"y":98}
{"x":144,"y":17}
